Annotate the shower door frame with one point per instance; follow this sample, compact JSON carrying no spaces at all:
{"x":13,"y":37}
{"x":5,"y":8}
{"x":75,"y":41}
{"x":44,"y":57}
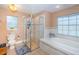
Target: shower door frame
{"x":25,"y":31}
{"x":43,"y":24}
{"x":32,"y":24}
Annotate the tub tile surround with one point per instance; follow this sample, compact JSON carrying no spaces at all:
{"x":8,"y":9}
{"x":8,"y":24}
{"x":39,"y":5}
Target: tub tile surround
{"x":49,"y":30}
{"x":64,"y":44}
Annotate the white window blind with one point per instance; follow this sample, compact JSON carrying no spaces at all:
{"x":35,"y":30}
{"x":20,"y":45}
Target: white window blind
{"x":68,"y":25}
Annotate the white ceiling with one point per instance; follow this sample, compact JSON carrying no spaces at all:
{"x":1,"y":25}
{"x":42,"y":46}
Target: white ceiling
{"x":36,"y":8}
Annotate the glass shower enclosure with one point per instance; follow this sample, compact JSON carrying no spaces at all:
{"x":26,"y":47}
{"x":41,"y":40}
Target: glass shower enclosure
{"x":31,"y":33}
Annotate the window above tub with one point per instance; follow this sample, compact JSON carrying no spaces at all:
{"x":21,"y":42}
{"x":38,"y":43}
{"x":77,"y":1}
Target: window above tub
{"x":68,"y":25}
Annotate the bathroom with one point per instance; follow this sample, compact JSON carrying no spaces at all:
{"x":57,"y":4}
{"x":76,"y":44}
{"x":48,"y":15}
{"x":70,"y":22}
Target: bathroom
{"x":37,"y":29}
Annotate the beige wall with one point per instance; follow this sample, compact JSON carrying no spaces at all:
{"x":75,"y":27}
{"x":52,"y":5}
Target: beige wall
{"x":50,"y":21}
{"x":64,"y":12}
{"x":36,"y":32}
{"x":48,"y":18}
{"x":3,"y":15}
{"x":51,"y":18}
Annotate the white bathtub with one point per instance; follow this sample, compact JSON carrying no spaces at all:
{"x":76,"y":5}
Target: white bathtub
{"x":65,"y":46}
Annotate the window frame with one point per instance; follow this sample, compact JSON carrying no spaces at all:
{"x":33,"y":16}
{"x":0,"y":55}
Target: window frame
{"x":16,"y":24}
{"x":76,"y":25}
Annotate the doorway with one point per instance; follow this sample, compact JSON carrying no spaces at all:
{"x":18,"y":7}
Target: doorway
{"x":11,"y":30}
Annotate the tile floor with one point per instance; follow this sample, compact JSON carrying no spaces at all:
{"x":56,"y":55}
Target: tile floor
{"x":37,"y":52}
{"x":34,"y":52}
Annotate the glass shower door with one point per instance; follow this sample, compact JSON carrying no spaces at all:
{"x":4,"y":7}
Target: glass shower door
{"x":35,"y":36}
{"x":31,"y":33}
{"x":42,"y":27}
{"x":27,"y":32}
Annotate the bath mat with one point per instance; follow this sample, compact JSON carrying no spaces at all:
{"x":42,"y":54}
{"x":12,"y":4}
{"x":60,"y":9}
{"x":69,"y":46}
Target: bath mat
{"x":21,"y":50}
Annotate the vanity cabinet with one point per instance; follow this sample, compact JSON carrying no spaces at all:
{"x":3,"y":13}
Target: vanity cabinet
{"x":3,"y":49}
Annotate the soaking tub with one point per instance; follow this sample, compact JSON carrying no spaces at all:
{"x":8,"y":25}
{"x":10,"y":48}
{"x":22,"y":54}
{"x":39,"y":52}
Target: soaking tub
{"x":59,"y":46}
